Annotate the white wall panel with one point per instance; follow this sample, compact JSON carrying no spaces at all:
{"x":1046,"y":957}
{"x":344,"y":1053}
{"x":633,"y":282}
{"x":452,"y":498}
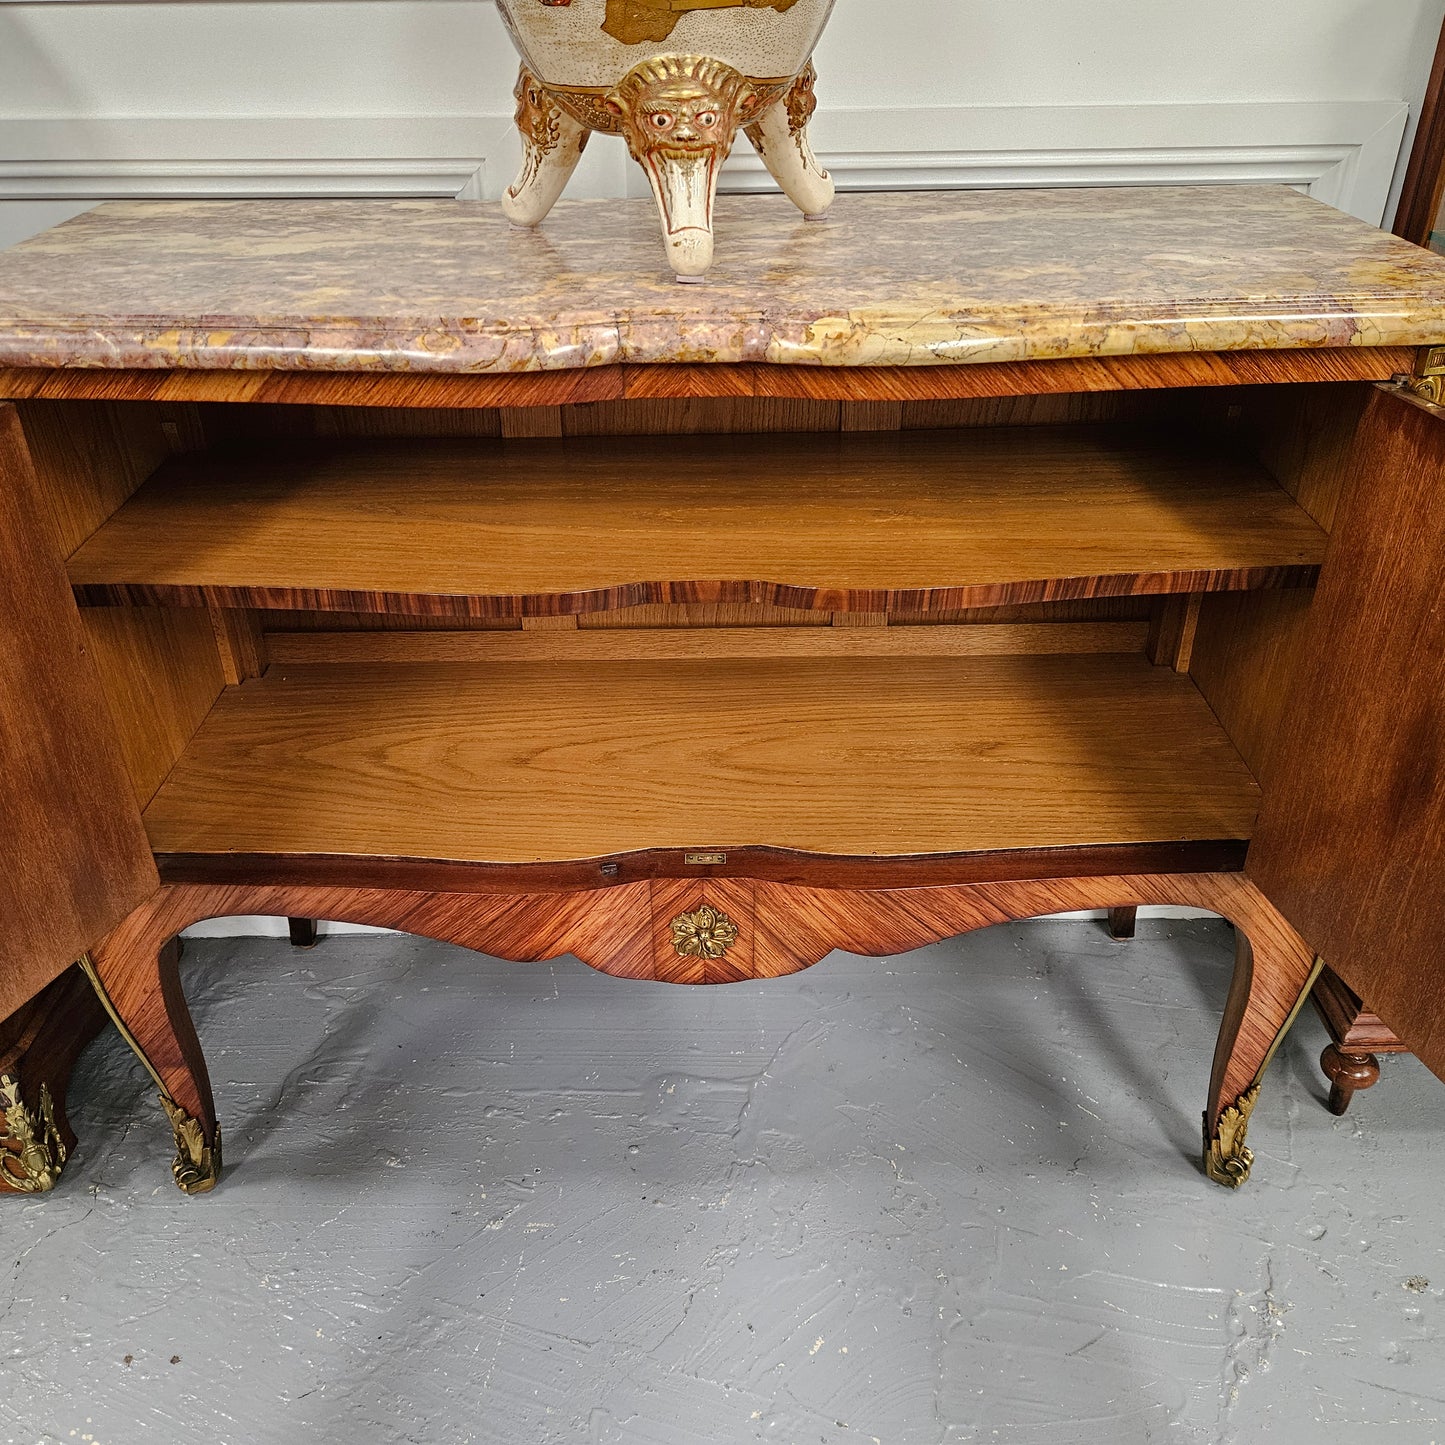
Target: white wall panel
{"x":286,"y":57}
{"x":379,"y":56}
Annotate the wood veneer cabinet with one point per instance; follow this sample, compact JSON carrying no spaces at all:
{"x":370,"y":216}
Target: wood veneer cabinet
{"x":964,"y":559}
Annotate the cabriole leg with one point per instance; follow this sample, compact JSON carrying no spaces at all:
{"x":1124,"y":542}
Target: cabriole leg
{"x":136,"y":973}
{"x":1274,"y":971}
{"x":552,"y":144}
{"x":780,"y":137}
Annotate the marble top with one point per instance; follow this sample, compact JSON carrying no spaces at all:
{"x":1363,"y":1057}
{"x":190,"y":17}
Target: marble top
{"x":886,"y":280}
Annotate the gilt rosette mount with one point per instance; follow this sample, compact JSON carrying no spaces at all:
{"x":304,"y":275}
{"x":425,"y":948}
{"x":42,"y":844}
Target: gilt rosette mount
{"x":677,"y":79}
{"x":705,"y":933}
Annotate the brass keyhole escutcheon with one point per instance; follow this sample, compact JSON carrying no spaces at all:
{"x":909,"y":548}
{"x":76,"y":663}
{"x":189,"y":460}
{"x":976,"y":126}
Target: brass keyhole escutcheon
{"x":706,"y":933}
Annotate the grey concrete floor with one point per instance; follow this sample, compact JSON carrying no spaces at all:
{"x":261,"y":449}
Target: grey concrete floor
{"x":952,"y":1196}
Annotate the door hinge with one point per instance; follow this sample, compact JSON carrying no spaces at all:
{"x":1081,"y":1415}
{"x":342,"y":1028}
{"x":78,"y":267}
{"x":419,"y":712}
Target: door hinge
{"x":1428,"y":380}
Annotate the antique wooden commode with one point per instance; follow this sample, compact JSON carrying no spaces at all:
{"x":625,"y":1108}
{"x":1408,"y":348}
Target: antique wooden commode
{"x":964,"y":558}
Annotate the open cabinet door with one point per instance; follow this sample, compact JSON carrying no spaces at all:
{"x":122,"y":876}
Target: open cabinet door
{"x":1350,"y":845}
{"x":74,"y":859}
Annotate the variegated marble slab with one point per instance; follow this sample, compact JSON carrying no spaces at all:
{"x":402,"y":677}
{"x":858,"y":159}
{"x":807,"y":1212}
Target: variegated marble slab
{"x":887,"y":280}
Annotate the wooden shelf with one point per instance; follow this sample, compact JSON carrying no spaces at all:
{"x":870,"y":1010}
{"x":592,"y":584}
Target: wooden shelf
{"x":867,"y":522}
{"x":518,"y":763}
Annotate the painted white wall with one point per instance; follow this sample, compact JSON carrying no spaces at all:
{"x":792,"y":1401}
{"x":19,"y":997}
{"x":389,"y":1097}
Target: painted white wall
{"x":360,"y":97}
{"x":413,"y":97}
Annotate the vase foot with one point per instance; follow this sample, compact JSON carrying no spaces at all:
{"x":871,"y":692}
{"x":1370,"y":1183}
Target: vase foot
{"x":780,"y":137}
{"x":680,"y":115}
{"x":552,"y":144}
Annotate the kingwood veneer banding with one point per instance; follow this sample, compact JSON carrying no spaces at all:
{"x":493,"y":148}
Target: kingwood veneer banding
{"x":618,"y":383}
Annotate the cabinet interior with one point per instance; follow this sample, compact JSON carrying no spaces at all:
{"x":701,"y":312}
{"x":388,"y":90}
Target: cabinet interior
{"x":561,"y":633}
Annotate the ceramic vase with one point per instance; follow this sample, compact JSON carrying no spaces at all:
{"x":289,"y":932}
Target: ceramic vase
{"x":677,"y":79}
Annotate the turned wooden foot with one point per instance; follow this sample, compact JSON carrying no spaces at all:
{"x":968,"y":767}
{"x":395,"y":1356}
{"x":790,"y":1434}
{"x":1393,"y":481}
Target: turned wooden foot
{"x":302,"y":931}
{"x":1357,"y":1039}
{"x":1346,"y":1073}
{"x":39,"y":1045}
{"x":135,"y":972}
{"x":780,"y":137}
{"x":552,"y":145}
{"x":1122,"y":922}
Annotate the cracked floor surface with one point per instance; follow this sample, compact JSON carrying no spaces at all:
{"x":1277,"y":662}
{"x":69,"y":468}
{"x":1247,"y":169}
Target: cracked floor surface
{"x":946,"y":1197}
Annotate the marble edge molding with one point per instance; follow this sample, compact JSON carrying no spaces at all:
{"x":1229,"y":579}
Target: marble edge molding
{"x":557,"y":344}
{"x":432,"y":286}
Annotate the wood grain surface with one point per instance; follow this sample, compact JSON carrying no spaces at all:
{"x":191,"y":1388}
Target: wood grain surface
{"x":240,"y":642}
{"x":89,"y":457}
{"x":679,"y":644}
{"x":616,"y":383}
{"x":1351,"y":844}
{"x":160,"y":674}
{"x":698,"y":615}
{"x":227,"y":423}
{"x":73,"y":854}
{"x":1349,"y":1021}
{"x":1246,"y":657}
{"x":863,"y":522}
{"x":1304,"y":436}
{"x":534,"y":762}
{"x":158,"y":668}
{"x":1424,"y":184}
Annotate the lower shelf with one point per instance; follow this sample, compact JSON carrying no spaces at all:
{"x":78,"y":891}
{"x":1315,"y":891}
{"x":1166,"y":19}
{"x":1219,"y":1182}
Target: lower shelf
{"x":523,"y":763}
